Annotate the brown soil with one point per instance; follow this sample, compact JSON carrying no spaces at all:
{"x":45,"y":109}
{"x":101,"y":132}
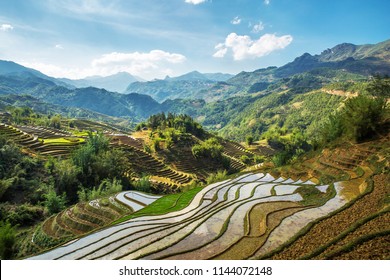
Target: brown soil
{"x":377,"y":248}
{"x":376,"y":225}
{"x":329,"y":228}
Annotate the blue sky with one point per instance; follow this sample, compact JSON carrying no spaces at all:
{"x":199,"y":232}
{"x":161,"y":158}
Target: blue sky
{"x":155,"y":38}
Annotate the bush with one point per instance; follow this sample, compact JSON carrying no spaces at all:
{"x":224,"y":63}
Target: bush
{"x":361,"y":116}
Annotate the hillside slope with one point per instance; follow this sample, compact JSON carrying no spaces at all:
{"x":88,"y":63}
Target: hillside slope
{"x":284,"y":214}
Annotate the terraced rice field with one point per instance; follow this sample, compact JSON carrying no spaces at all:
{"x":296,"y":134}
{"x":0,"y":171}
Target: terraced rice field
{"x":245,"y":217}
{"x":143,"y":162}
{"x":45,"y":141}
{"x":85,"y":217}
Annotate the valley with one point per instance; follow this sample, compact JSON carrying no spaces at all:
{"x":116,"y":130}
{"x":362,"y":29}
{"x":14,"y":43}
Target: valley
{"x":287,"y":162}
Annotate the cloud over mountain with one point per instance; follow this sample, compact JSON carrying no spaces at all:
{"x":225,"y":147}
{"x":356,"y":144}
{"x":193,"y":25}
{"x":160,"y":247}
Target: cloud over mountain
{"x":243,"y":47}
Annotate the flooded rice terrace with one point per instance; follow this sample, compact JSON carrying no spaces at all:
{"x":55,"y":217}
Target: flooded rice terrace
{"x":215,"y":220}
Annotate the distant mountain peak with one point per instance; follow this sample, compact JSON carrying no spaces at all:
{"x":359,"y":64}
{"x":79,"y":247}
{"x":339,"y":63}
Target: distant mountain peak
{"x":117,"y":82}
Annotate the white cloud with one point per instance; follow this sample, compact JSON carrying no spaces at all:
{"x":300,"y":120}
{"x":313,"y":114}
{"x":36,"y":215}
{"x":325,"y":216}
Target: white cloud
{"x":243,"y":47}
{"x":267,"y":2}
{"x":151,"y":58}
{"x":258,"y":27}
{"x":221,"y":50}
{"x":195,"y":2}
{"x":236,"y":20}
{"x":154,"y":64}
{"x":6,"y":27}
{"x":59,"y":47}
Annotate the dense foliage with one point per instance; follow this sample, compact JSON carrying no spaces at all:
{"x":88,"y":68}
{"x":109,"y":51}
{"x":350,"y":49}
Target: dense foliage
{"x":181,"y":123}
{"x":361,"y":116}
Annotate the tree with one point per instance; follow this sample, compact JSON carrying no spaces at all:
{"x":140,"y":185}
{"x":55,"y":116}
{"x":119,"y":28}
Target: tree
{"x":98,"y":142}
{"x":379,"y":86}
{"x":56,"y":121}
{"x":66,"y":178}
{"x":54,"y":203}
{"x":249,"y":140}
{"x":361,"y":116}
{"x":7,"y":240}
{"x":208,"y":149}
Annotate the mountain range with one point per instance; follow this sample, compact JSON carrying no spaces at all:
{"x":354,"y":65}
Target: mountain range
{"x":116,"y":83}
{"x":219,"y":101}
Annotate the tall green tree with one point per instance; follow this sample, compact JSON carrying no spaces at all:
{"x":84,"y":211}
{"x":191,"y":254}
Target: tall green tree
{"x":362,"y":115}
{"x":7,"y":240}
{"x":54,"y":203}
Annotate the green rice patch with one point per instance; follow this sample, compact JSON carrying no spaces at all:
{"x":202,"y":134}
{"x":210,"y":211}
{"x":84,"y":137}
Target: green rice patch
{"x":80,"y":133}
{"x":63,"y":140}
{"x":313,"y":196}
{"x":164,"y":205}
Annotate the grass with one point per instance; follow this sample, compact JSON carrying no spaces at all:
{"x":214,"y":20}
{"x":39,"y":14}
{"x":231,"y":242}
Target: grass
{"x":166,"y":204}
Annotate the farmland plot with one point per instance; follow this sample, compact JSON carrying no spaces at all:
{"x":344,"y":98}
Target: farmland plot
{"x":219,"y":217}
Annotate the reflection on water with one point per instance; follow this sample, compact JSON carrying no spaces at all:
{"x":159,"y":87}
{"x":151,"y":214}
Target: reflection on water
{"x":204,"y":219}
{"x":351,"y":189}
{"x":290,"y":226}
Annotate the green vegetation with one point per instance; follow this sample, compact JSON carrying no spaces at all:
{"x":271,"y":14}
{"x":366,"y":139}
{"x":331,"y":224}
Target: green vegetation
{"x":54,"y":203}
{"x":217,"y":177}
{"x":63,"y":140}
{"x":249,"y":140}
{"x":7,"y":240}
{"x":89,"y":166}
{"x":361,"y":116}
{"x":314,"y":103}
{"x":211,"y":149}
{"x":208,"y":149}
{"x":313,"y":196}
{"x":290,"y":145}
{"x":180,"y":123}
{"x":143,"y":184}
{"x":105,"y":188}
